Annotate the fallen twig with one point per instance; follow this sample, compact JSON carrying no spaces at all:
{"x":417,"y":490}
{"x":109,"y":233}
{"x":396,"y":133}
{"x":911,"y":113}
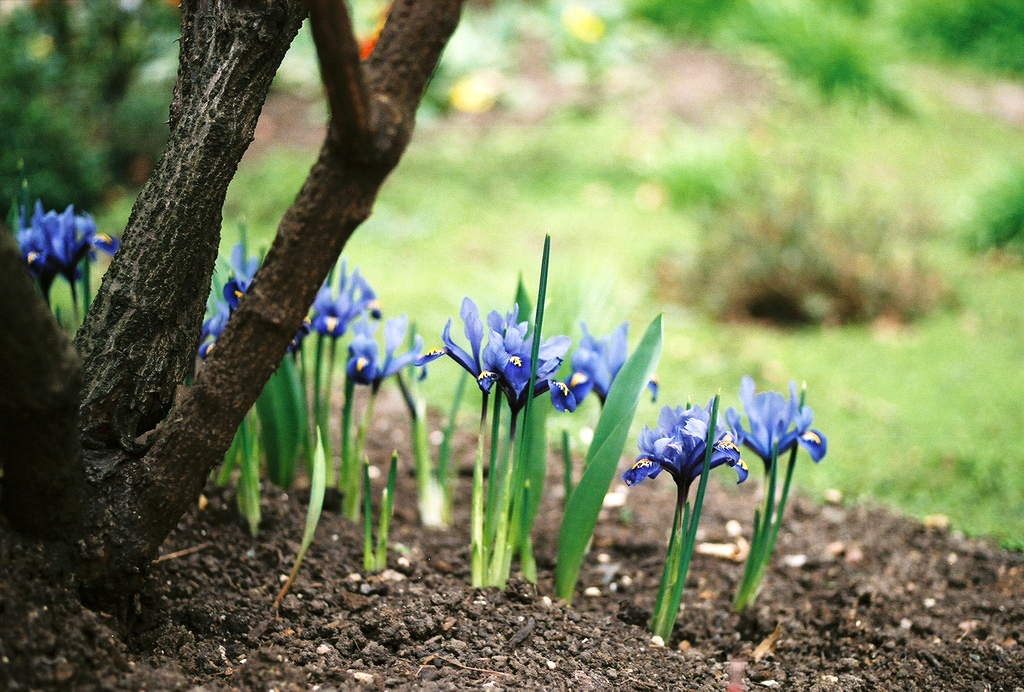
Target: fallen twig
{"x":183,"y":552}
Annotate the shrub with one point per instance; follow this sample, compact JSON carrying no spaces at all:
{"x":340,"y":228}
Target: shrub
{"x":999,"y":217}
{"x":75,"y":113}
{"x":988,"y":32}
{"x":779,"y":257}
{"x":690,"y":18}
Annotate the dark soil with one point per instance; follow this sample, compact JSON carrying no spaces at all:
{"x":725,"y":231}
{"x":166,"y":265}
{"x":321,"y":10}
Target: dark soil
{"x":860,"y":599}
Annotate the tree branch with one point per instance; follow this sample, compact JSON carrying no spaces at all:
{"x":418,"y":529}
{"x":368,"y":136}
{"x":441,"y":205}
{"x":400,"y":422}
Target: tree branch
{"x":140,"y":336}
{"x":39,"y":452}
{"x":340,"y":70}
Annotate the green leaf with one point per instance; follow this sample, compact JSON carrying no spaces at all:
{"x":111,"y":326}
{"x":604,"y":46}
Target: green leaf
{"x":281,"y":408}
{"x":581,"y":510}
{"x":317,"y":488}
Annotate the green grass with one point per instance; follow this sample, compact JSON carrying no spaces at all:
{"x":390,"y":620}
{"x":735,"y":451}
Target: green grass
{"x":926,"y":417}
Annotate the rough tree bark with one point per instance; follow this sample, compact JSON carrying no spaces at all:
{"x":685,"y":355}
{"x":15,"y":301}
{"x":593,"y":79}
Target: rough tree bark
{"x":148,"y":444}
{"x":39,"y":452}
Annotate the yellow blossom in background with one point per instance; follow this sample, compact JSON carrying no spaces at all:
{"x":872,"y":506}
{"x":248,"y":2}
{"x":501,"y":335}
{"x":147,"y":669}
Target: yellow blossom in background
{"x":582,"y":23}
{"x":41,"y":46}
{"x":476,"y":92}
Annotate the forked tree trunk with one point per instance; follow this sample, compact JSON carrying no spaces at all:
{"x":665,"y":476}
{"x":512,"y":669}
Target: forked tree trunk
{"x":150,"y":444}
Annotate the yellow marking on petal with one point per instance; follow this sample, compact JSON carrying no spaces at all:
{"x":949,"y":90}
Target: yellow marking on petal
{"x":811,"y":436}
{"x":238,"y":294}
{"x":32,"y":256}
{"x":516,"y":361}
{"x":577,"y":379}
{"x":563,"y":387}
{"x":361,"y":363}
{"x":104,"y":237}
{"x":484,"y":375}
{"x":437,"y":352}
{"x":743,"y":465}
{"x":642,"y":463}
{"x":306,"y":321}
{"x":332,"y":323}
{"x":727,"y":443}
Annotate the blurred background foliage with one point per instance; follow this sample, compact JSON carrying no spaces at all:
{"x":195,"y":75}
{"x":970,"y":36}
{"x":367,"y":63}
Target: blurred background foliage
{"x":823,"y":190}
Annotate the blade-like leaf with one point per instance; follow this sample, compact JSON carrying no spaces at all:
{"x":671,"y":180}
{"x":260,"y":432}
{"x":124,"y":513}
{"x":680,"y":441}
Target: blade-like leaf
{"x":281,"y":410}
{"x":581,"y":510}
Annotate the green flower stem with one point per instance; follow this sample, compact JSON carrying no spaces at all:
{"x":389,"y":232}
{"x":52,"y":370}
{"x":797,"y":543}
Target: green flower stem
{"x":387,"y":502}
{"x":494,"y":469}
{"x":567,"y":468}
{"x":351,"y":500}
{"x":346,"y":471}
{"x":444,"y":454}
{"x":478,"y":549}
{"x":369,"y":565}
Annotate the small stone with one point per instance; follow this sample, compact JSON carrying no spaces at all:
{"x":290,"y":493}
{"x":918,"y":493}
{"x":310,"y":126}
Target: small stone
{"x":604,"y":558}
{"x":795,"y":561}
{"x":770,"y":683}
{"x":833,"y":496}
{"x":929,"y":602}
{"x":403,"y":562}
{"x":324,"y":649}
{"x":551,"y":665}
{"x":854,"y":554}
{"x":362,"y":677}
{"x":936,"y":521}
{"x":546,"y":601}
{"x":657,"y":641}
{"x":626,"y":580}
{"x":592,"y":591}
{"x":835,"y":548}
{"x":684,"y":645}
{"x":906,"y":624}
{"x":391,"y":575}
{"x":614,"y":499}
{"x":355,"y":576}
{"x":436,"y":437}
{"x":203,"y":502}
{"x":733,"y":528}
{"x":830,"y":678}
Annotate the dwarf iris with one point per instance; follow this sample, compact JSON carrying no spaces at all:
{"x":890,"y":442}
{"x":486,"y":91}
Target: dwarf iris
{"x":687,"y":443}
{"x":55,"y":244}
{"x":777,"y":425}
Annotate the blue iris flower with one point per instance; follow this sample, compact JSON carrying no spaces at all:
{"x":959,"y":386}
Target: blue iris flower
{"x":597,"y":362}
{"x":243,"y":269}
{"x":775,"y":420}
{"x":364,"y":363}
{"x":677,"y":446}
{"x":505,"y":360}
{"x":332,"y":312}
{"x":55,"y":244}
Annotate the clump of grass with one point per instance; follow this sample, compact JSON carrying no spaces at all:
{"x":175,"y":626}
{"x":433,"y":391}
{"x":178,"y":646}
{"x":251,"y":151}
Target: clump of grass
{"x":828,"y":50}
{"x":988,"y":32}
{"x":692,"y":18}
{"x":783,"y":258}
{"x":998,"y":222}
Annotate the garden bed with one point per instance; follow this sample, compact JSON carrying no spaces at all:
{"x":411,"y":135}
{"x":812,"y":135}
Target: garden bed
{"x":858,"y":598}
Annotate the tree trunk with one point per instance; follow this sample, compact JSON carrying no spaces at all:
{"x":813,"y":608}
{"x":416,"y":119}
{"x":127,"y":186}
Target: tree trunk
{"x":41,"y":490}
{"x":139,"y":339}
{"x":137,"y":491}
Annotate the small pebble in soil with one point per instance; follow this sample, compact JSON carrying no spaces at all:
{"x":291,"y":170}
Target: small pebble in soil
{"x":733,"y":528}
{"x":361,"y":677}
{"x":833,"y":496}
{"x":546,"y":601}
{"x":592,"y":591}
{"x":796,"y":561}
{"x":656,"y":640}
{"x":551,"y":665}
